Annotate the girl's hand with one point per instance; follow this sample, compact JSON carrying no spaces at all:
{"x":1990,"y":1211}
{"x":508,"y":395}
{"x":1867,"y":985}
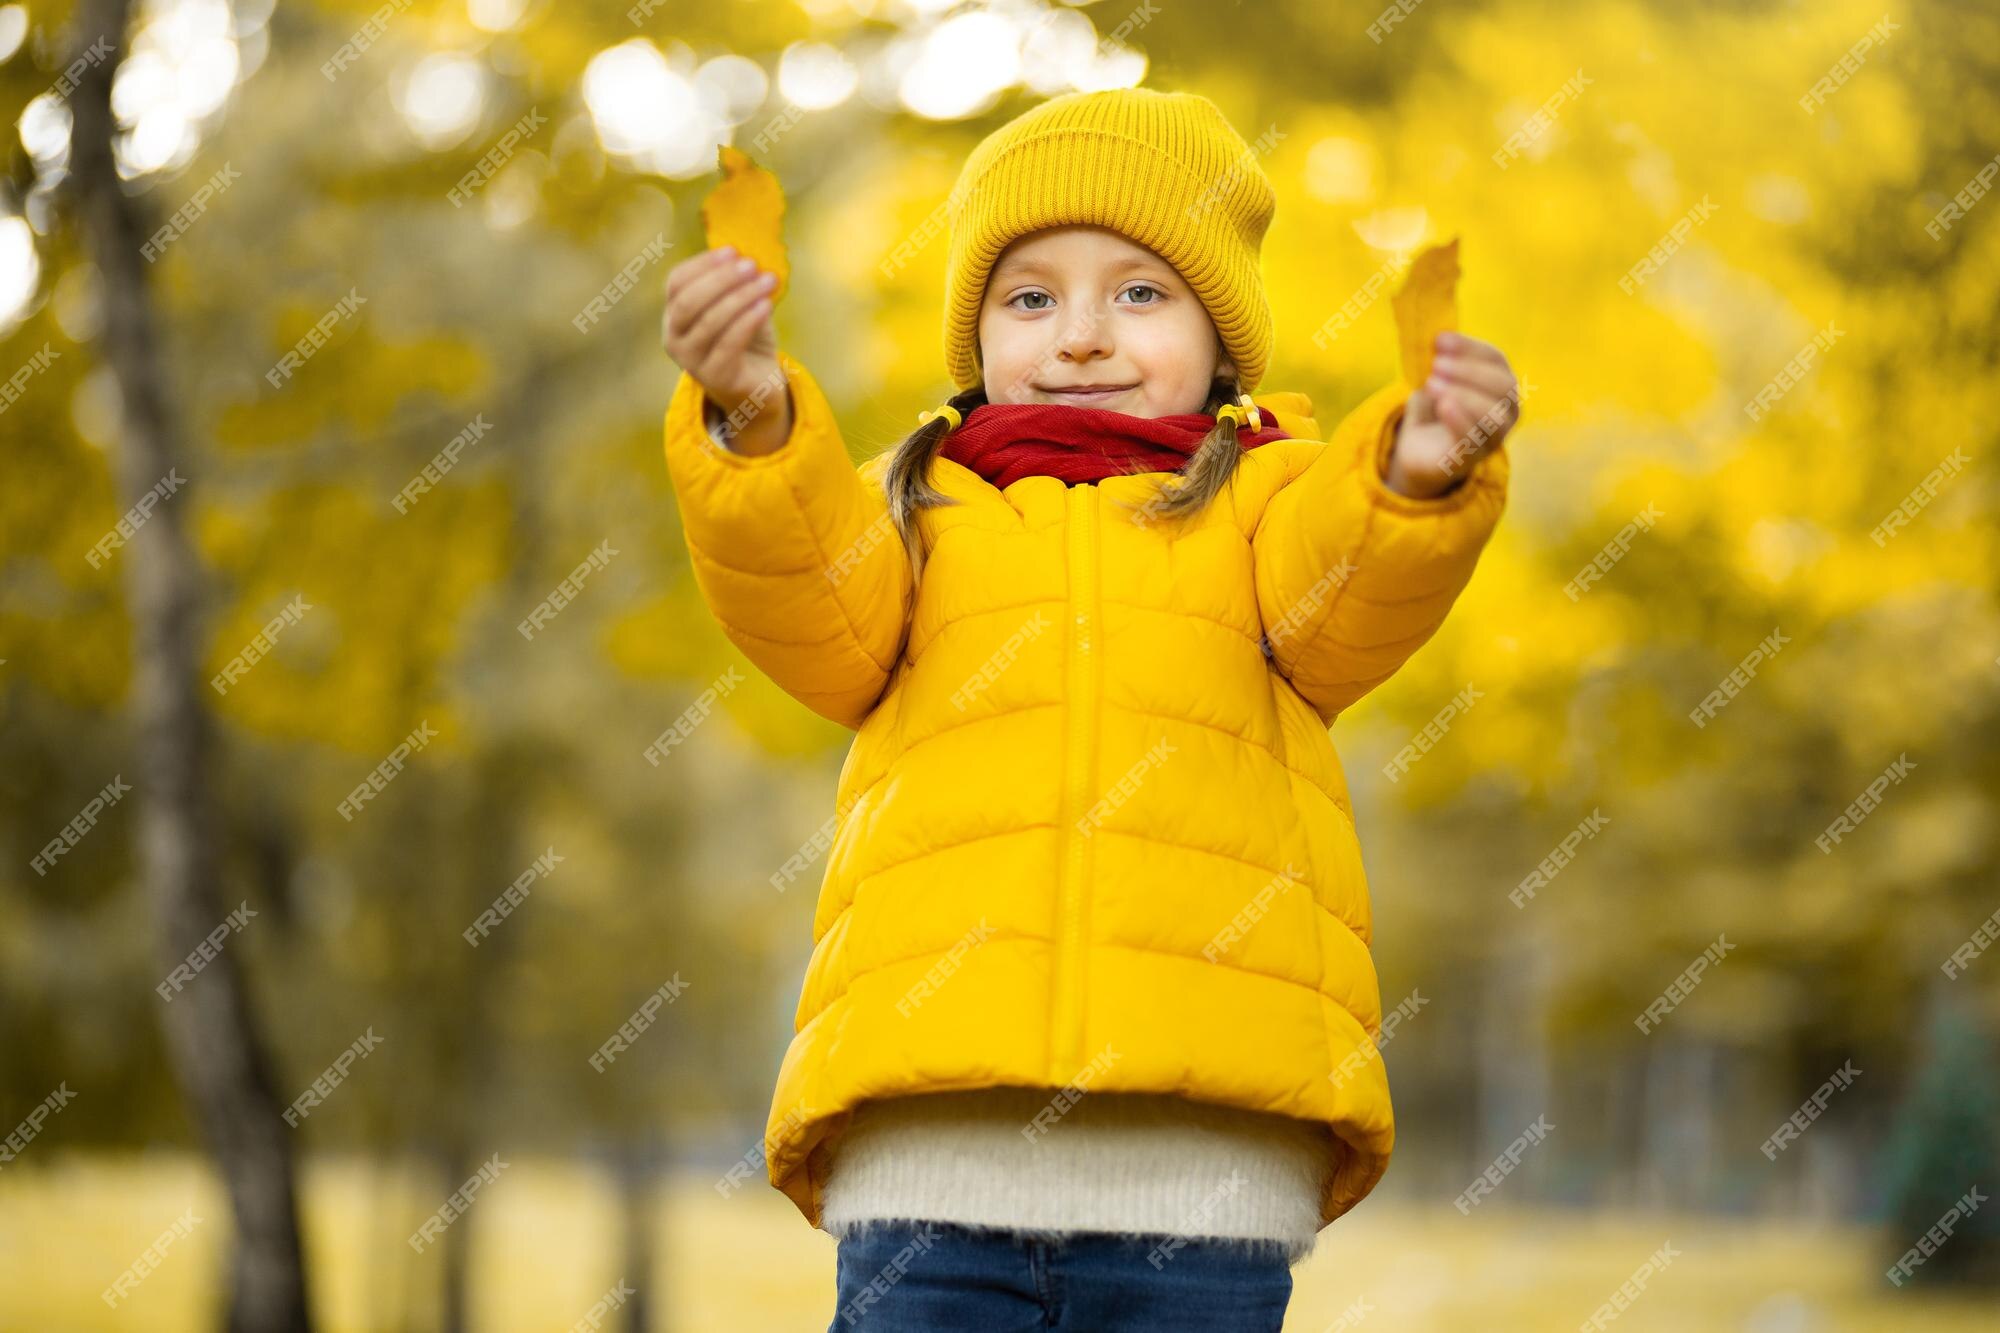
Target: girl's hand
{"x":1457,"y":417}
{"x":717,"y":327}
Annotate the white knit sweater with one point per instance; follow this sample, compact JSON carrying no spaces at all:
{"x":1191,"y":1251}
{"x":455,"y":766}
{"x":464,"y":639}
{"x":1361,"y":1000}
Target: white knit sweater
{"x":1116,"y":1162}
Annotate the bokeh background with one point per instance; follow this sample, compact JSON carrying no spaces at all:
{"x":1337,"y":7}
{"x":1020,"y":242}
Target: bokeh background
{"x":443,"y":187}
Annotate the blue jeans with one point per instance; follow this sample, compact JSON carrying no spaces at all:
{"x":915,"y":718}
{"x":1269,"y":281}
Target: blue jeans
{"x":916,"y":1277}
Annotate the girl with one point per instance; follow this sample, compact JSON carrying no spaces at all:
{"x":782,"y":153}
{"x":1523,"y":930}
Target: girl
{"x":1087,"y":1036}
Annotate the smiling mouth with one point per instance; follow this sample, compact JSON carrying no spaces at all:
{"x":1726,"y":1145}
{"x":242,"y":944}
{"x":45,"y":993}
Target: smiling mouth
{"x":1090,"y":394}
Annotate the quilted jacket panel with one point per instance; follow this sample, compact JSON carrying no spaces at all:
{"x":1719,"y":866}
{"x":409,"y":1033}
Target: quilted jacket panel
{"x":1092,"y":830}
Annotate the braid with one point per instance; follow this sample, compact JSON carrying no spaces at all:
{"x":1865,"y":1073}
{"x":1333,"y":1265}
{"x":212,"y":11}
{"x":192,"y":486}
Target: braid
{"x":1205,"y":475}
{"x":906,"y":481}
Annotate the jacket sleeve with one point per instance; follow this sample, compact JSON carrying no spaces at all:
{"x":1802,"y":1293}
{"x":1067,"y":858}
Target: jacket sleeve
{"x":1352,"y":578}
{"x":794,"y":551}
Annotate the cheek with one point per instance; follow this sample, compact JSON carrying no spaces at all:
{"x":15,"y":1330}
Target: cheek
{"x":1176,"y":360}
{"x":1005,"y":355}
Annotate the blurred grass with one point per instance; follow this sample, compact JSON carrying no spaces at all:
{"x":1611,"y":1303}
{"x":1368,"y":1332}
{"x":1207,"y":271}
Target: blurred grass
{"x":546,"y":1245}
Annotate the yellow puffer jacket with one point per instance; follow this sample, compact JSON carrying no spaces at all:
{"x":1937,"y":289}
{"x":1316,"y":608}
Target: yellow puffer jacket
{"x":1091,"y":833}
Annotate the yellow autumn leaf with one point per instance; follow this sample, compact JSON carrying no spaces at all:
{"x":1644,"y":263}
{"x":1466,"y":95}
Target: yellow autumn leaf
{"x":747,"y":210}
{"x":1426,"y":305}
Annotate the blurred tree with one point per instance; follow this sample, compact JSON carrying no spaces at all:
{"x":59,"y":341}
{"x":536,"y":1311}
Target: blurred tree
{"x":1944,"y":1147}
{"x":211,"y":1026}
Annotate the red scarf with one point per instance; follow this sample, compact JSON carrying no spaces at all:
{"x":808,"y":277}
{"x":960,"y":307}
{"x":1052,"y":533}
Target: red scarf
{"x":1004,"y":442}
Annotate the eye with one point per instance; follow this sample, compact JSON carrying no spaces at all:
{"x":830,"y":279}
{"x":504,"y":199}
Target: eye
{"x":1145,"y":287}
{"x":1019,"y":296}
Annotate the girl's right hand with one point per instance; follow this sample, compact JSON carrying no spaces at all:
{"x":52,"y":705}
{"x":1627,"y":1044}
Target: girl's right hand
{"x":717,"y":327}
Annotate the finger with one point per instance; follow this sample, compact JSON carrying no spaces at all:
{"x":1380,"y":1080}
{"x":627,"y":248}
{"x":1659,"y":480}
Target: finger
{"x":1421,"y":409}
{"x":703,"y":291}
{"x":1488,"y":401}
{"x":740,"y":332}
{"x":1488,"y":412}
{"x":1494,"y":412}
{"x":1503,"y":412}
{"x":1454,"y":411}
{"x":688,"y":270}
{"x":1472,"y":356}
{"x":1484,"y":375}
{"x":724,"y":311}
{"x":1453,"y":343}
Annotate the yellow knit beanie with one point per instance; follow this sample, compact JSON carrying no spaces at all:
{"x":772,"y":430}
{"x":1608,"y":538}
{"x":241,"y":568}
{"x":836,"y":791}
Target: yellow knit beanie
{"x":1165,"y":169}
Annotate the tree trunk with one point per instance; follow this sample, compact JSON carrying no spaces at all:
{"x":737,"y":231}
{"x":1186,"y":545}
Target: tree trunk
{"x":637,"y":1178}
{"x":211,"y":1035}
{"x":455,"y":1245}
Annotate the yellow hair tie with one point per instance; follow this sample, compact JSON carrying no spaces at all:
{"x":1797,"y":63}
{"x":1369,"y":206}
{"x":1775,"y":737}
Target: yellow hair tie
{"x":1240,"y":412}
{"x":948,"y":412}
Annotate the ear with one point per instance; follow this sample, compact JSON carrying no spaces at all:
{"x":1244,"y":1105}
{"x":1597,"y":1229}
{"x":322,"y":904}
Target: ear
{"x":1225,"y":367}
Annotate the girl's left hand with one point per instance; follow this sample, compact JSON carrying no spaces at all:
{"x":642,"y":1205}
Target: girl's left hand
{"x":1457,"y":417}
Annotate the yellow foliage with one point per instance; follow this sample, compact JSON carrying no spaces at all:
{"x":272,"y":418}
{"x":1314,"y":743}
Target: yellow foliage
{"x":747,"y":211}
{"x":1426,"y":305}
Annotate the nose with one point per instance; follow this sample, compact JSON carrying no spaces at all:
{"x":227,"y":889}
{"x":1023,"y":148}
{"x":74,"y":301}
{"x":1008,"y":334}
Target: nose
{"x":1087,"y":337}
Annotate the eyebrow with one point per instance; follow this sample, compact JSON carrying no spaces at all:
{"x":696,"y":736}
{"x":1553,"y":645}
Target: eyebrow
{"x":1126,"y":265}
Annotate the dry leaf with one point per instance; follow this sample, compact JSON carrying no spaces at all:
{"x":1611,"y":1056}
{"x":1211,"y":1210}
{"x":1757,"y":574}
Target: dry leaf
{"x":1426,"y":305}
{"x":746,"y":210}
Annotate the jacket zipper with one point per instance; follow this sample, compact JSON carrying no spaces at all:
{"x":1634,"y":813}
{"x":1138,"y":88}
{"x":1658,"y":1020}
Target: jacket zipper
{"x":1078,"y":766}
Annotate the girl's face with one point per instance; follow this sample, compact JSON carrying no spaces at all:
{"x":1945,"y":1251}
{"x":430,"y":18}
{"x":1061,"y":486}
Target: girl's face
{"x":1088,"y":308}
